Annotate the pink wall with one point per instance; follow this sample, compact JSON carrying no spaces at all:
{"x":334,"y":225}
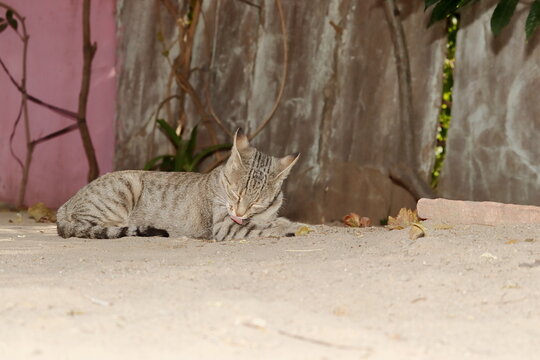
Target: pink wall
{"x":59,"y":167}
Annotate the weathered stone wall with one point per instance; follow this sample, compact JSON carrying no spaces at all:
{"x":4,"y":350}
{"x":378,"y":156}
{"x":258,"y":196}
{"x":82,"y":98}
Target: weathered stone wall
{"x":493,"y":145}
{"x":142,"y":81}
{"x":340,"y":106}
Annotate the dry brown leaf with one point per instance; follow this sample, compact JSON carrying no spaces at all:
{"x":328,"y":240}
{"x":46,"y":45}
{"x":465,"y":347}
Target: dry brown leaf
{"x":339,"y":311}
{"x":17,"y":220}
{"x":41,"y":213}
{"x":365,"y":221}
{"x":443,"y":227}
{"x":417,"y":231}
{"x":405,"y":218}
{"x":354,"y":220}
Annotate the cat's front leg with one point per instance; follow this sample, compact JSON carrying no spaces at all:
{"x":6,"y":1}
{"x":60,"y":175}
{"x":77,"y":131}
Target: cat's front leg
{"x":279,"y":227}
{"x":227,"y":229}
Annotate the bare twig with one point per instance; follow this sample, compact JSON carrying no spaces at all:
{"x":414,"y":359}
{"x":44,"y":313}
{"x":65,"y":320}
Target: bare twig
{"x":262,"y":325}
{"x":55,"y":134}
{"x":67,"y":113}
{"x":24,"y":103}
{"x":211,"y":50}
{"x":12,"y":136}
{"x":283,"y":74}
{"x":409,"y":179}
{"x":215,"y":164}
{"x":80,"y":116}
{"x":170,"y":7}
{"x":89,"y":50}
{"x":403,"y":68}
{"x":186,"y":86}
{"x":320,"y":342}
{"x":181,"y":68}
{"x":250,"y":4}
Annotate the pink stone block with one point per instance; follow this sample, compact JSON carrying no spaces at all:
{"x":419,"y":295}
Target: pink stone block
{"x":477,"y":212}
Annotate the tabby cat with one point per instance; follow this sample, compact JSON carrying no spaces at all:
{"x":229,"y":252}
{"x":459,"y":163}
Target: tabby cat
{"x":239,"y":199}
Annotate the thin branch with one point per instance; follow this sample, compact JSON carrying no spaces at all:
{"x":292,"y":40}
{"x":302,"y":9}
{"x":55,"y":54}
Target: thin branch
{"x":67,"y":113}
{"x":12,"y":136}
{"x":320,"y":342}
{"x":188,"y":88}
{"x":216,"y":164}
{"x":406,"y":175}
{"x":250,"y":4}
{"x":80,"y":117}
{"x":171,"y":8}
{"x":211,"y":53}
{"x":21,"y":18}
{"x":403,"y":68}
{"x":89,"y":50}
{"x":24,"y":104}
{"x":284,"y":71}
{"x":55,"y":134}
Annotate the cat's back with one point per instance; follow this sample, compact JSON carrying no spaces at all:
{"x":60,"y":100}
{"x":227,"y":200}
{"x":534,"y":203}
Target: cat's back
{"x":135,"y":182}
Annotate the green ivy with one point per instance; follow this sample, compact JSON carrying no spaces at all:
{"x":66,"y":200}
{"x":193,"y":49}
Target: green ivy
{"x":505,"y":9}
{"x":184,"y":158}
{"x":445,"y":114}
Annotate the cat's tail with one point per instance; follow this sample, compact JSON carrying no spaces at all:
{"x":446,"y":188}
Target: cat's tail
{"x":86,"y":228}
{"x":111,"y":232}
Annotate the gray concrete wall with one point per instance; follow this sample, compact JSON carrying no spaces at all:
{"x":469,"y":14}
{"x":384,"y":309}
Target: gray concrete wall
{"x":493,"y":144}
{"x":340,"y":106}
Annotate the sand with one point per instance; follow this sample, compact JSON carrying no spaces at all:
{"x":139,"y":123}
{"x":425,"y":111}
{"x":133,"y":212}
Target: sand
{"x":461,"y":292}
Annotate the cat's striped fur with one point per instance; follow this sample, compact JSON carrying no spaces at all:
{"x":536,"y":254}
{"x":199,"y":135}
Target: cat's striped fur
{"x":240,"y":199}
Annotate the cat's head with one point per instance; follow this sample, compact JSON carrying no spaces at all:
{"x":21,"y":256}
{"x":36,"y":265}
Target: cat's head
{"x":252,"y":180}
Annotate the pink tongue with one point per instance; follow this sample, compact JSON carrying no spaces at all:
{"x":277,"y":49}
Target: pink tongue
{"x":237,"y":220}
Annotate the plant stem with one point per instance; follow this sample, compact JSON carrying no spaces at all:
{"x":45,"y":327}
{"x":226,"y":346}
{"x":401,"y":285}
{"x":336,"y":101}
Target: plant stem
{"x":283,"y":74}
{"x":405,"y":173}
{"x":24,"y":105}
{"x":89,"y":51}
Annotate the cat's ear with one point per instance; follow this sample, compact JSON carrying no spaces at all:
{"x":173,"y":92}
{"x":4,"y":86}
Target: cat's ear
{"x":286,"y":163}
{"x":240,"y":144}
{"x":241,"y":141}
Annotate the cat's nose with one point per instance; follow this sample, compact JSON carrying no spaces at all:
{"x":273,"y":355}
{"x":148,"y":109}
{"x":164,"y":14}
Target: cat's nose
{"x":241,"y":210}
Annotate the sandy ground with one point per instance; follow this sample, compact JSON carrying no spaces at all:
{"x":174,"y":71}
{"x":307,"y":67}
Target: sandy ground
{"x":464,"y":292}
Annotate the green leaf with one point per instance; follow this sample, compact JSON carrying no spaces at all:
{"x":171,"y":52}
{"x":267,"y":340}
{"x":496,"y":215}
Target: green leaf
{"x":180,"y":160}
{"x":533,"y":19}
{"x":169,"y":131}
{"x":462,"y":3}
{"x":443,"y":9}
{"x":192,"y":143}
{"x":428,"y":3}
{"x":152,"y":163}
{"x":3,"y":26}
{"x":208,"y":151}
{"x":167,"y":164}
{"x":502,"y":15}
{"x":160,"y":36}
{"x":11,"y":20}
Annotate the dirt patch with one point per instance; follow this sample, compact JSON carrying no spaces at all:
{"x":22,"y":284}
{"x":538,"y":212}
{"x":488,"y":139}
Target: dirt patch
{"x":461,"y":292}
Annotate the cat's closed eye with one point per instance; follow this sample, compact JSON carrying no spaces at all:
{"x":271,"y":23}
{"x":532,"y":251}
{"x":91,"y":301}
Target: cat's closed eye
{"x":235,"y":194}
